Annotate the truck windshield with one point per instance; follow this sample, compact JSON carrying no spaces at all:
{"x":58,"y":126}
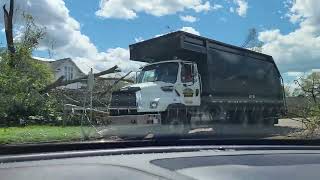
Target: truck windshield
{"x":165,"y":72}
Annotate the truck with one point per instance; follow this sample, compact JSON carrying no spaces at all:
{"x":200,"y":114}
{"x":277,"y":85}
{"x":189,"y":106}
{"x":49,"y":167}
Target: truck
{"x":188,"y":76}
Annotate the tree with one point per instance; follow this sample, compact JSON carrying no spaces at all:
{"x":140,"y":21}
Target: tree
{"x":287,"y":91}
{"x":252,"y":42}
{"x":308,"y":109}
{"x":310,"y":86}
{"x":8,"y":24}
{"x":21,"y":77}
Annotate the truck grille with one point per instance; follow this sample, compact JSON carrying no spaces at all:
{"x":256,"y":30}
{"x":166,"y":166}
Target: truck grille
{"x":123,"y":99}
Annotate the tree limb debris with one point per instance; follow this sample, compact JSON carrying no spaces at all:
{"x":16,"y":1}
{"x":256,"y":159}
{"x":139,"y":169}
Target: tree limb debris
{"x":115,"y":83}
{"x":61,"y":82}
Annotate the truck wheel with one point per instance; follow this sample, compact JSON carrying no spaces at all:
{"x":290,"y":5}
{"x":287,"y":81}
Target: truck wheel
{"x":176,"y":126}
{"x":234,"y":117}
{"x":177,"y":123}
{"x":257,"y":118}
{"x":269,"y":121}
{"x":244,"y":118}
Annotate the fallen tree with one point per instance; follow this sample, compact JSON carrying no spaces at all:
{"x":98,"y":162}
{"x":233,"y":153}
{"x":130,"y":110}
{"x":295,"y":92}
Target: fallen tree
{"x":62,"y":82}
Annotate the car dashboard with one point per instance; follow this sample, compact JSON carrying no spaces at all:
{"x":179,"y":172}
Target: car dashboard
{"x":202,"y":162}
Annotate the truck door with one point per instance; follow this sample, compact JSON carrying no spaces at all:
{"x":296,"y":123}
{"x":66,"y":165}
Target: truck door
{"x":188,"y":85}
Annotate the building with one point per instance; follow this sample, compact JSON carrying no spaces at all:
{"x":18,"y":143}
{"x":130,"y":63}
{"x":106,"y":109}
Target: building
{"x":67,"y":68}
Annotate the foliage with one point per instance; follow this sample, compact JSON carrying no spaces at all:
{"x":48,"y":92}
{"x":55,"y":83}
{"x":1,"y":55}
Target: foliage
{"x":310,"y":86}
{"x":309,"y":112}
{"x":287,"y":91}
{"x":22,"y":77}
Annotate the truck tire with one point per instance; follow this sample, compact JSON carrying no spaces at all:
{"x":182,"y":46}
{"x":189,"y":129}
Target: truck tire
{"x":270,"y":118}
{"x":177,"y":121}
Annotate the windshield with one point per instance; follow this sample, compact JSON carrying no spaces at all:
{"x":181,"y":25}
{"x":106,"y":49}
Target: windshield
{"x":113,"y":70}
{"x":165,"y":72}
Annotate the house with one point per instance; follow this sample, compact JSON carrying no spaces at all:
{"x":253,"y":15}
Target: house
{"x":67,"y":68}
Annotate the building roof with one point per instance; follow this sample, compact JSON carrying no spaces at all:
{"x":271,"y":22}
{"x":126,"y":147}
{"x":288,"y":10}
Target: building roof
{"x":54,"y":64}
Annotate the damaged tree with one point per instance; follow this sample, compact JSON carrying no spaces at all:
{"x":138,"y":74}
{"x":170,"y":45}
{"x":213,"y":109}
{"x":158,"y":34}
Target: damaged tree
{"x":8,"y":25}
{"x":307,"y":110}
{"x":62,"y":82}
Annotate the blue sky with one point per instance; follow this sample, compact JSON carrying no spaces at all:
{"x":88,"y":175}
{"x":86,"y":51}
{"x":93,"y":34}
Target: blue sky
{"x":220,"y":25}
{"x":96,"y":33}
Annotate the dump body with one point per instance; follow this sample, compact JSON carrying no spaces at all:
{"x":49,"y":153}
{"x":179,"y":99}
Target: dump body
{"x":228,"y":73}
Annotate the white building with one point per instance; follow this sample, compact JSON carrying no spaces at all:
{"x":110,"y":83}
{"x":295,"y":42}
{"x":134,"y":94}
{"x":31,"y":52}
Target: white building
{"x":67,"y":68}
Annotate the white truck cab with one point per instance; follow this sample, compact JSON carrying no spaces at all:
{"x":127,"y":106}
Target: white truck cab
{"x":159,"y":86}
{"x":166,"y":83}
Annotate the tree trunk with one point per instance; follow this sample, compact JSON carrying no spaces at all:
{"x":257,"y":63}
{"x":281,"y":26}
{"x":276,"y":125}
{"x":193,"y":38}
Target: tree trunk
{"x":61,"y":82}
{"x":8,"y":24}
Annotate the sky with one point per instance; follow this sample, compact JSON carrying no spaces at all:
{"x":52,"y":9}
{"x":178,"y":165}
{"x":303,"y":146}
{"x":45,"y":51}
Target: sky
{"x":96,"y":33}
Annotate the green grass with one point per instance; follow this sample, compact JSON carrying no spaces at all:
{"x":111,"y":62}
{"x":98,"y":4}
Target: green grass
{"x":41,"y":134}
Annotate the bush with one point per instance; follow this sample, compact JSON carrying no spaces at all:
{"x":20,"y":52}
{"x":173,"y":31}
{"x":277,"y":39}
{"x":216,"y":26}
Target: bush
{"x":21,"y":79}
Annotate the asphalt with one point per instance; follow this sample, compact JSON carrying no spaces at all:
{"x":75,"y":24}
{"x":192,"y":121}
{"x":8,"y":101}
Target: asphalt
{"x":283,"y":129}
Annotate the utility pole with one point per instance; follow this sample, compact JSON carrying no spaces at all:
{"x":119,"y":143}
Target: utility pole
{"x":90,"y":88}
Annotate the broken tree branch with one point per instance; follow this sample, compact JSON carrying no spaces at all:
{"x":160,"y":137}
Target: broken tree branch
{"x":121,"y":79}
{"x":115,"y":83}
{"x":60,"y":81}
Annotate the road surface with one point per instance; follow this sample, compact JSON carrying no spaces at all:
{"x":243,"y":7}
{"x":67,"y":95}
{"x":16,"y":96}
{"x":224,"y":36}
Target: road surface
{"x":284,"y":128}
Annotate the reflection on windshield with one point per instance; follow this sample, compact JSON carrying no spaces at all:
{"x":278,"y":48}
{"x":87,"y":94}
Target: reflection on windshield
{"x":165,"y":72}
{"x":56,"y":83}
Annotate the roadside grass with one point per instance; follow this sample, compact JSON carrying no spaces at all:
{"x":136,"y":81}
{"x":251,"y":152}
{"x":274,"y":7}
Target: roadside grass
{"x":41,"y":134}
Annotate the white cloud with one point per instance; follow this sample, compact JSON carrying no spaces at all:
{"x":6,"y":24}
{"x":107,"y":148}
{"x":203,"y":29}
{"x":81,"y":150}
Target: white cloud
{"x":231,"y":9}
{"x":128,"y":9}
{"x":202,"y":7}
{"x":138,"y":39}
{"x":294,"y":74}
{"x":188,"y":18}
{"x":185,"y":29}
{"x":120,"y":57}
{"x":298,"y":50}
{"x":64,"y":33}
{"x":242,"y":7}
{"x":190,"y":30}
{"x":217,"y":6}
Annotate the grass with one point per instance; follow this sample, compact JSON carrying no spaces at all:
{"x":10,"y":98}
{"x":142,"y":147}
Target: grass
{"x":36,"y":134}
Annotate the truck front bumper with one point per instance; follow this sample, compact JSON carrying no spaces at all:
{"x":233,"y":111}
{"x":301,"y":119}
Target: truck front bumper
{"x":134,"y":119}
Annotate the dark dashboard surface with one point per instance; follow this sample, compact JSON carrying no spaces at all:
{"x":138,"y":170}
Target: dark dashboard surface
{"x":166,"y":163}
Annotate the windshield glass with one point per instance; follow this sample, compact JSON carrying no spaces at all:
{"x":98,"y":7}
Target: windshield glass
{"x":165,"y":72}
{"x":113,"y":70}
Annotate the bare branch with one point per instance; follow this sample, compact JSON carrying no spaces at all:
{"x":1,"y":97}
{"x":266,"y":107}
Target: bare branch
{"x":115,"y":83}
{"x":60,"y":81}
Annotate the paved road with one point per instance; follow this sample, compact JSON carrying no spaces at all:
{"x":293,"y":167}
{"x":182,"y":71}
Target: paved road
{"x":285,"y":127}
{"x":294,"y":123}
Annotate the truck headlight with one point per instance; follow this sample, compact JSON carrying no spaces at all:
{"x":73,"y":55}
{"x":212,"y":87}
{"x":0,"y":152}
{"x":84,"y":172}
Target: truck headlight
{"x":154,"y":104}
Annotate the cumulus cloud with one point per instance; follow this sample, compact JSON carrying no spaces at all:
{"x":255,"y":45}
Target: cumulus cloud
{"x":128,"y":9}
{"x":217,"y":6}
{"x":63,"y":33}
{"x":188,"y":18}
{"x":138,"y":39}
{"x":190,"y":30}
{"x":231,"y":9}
{"x":242,"y":7}
{"x":298,"y":50}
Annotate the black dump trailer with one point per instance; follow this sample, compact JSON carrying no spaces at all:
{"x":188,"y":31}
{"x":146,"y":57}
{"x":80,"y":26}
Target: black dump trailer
{"x":233,"y":78}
